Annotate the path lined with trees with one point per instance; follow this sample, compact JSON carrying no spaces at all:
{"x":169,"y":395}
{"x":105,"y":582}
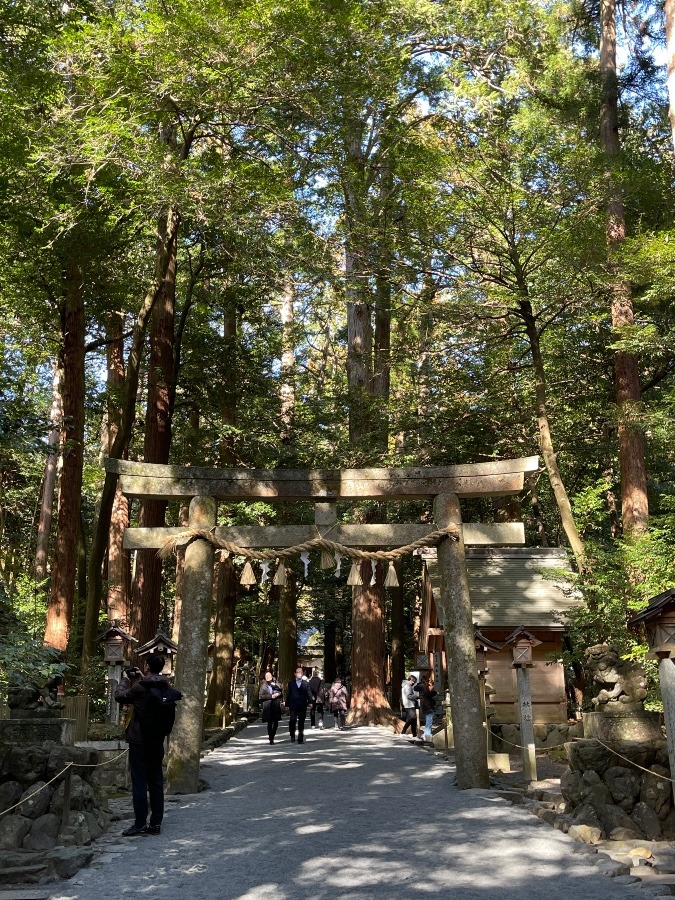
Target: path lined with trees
{"x":329,"y":235}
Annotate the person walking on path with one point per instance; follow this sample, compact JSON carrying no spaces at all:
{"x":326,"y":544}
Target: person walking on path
{"x":409,"y":704}
{"x":317,"y":687}
{"x":270,"y":696}
{"x":298,"y":698}
{"x":338,"y":701}
{"x":146,"y":744}
{"x":427,"y":695}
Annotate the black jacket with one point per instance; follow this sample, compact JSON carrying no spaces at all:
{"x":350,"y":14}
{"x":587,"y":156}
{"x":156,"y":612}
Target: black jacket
{"x":316,"y":686}
{"x":427,"y":699}
{"x":271,"y":708}
{"x":135,"y":695}
{"x":298,"y":697}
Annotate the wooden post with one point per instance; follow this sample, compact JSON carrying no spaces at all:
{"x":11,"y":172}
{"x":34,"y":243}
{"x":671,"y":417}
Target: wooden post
{"x":526,"y":724}
{"x":454,"y":610}
{"x":186,"y":738}
{"x":667,"y":679}
{"x":67,"y":785}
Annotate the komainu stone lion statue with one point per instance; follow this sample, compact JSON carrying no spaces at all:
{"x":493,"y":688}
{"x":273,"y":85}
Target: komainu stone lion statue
{"x":621,"y":681}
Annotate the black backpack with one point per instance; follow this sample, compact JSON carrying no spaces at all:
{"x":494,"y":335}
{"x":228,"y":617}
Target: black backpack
{"x":159,"y":712}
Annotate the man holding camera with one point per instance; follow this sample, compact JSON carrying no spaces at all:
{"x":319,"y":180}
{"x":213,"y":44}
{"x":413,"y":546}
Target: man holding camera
{"x":146,"y":747}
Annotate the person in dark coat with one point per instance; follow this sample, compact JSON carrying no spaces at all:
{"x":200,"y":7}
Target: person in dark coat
{"x":427,"y":696}
{"x":146,"y":751}
{"x":317,"y":687}
{"x":270,"y":697}
{"x":298,"y":698}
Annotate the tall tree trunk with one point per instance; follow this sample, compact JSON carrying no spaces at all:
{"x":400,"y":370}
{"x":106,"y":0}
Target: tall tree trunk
{"x":219,"y":695}
{"x":230,"y":388}
{"x":397,"y":643}
{"x":634,"y":500}
{"x":546,"y":441}
{"x":61,"y":598}
{"x":167,"y":238}
{"x":369,"y":704}
{"x":359,"y":307}
{"x":329,"y":655}
{"x":118,"y":563}
{"x":287,"y":386}
{"x":49,"y":481}
{"x":669,"y":9}
{"x":147,"y":587}
{"x":119,"y":572}
{"x":288,"y":628}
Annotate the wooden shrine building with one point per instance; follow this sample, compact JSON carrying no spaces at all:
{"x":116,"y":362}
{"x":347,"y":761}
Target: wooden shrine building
{"x":511,"y":587}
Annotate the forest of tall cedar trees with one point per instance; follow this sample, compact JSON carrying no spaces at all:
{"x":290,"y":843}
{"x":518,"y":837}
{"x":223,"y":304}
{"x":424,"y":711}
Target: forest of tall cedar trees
{"x":327,"y":234}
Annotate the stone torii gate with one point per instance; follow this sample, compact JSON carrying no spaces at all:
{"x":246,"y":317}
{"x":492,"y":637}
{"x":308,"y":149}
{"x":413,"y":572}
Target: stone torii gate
{"x":444,"y":485}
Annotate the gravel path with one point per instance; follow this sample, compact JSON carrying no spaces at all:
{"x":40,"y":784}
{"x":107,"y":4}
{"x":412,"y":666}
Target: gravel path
{"x":347,"y":816}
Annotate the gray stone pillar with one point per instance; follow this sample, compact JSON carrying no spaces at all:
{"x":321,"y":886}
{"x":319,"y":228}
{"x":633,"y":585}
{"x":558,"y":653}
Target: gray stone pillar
{"x":526,"y":724}
{"x":454,"y":612}
{"x":667,"y":679}
{"x":193,"y":641}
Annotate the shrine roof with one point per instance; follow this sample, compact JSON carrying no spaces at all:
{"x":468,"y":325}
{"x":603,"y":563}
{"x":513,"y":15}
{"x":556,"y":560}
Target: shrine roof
{"x":515,"y":586}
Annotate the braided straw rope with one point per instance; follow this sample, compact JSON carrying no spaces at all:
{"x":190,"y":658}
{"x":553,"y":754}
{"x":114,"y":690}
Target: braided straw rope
{"x":318,"y":543}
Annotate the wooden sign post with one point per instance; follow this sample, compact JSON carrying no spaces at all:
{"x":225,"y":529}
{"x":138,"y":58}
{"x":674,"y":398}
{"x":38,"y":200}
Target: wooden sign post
{"x":522,"y":642}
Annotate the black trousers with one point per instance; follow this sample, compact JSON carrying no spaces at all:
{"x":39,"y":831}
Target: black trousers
{"x":297,"y":715}
{"x":317,"y":706}
{"x":147,"y":778}
{"x":410,"y":721}
{"x":272,"y":729}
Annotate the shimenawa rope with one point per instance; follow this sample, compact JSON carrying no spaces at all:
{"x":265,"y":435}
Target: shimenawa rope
{"x":318,"y":543}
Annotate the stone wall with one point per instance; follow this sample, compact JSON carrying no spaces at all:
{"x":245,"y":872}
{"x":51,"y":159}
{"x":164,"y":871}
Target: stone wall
{"x":545,"y":736}
{"x":34,"y":825}
{"x":606,"y":797}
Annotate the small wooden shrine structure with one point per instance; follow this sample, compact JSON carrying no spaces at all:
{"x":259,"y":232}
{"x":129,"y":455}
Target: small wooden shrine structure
{"x":511,"y":587}
{"x":446,"y":486}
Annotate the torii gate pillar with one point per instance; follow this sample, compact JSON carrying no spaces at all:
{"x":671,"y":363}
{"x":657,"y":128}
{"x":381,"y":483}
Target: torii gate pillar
{"x":193,"y":639}
{"x":454,"y":612}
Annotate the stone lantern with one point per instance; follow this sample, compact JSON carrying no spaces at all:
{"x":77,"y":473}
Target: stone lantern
{"x":522,"y":643}
{"x":658,"y":620}
{"x":164,"y":646}
{"x":113,"y":641}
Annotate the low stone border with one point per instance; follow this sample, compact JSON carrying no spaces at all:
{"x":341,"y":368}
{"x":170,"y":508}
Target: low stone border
{"x":222,"y":735}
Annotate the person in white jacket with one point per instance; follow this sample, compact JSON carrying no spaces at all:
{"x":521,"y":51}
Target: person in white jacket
{"x":409,"y":698}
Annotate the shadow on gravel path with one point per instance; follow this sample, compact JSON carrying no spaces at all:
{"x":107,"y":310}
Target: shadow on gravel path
{"x":348,"y":815}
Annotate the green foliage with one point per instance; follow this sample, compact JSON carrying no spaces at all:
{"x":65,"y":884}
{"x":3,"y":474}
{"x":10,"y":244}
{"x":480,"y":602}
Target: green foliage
{"x":23,"y":658}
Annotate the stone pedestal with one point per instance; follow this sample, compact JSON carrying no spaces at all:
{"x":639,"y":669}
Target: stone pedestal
{"x":623,"y":725}
{"x":29,"y":732}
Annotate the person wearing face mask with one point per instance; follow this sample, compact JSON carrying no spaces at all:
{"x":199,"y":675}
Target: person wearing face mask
{"x":298,"y":698}
{"x":270,"y":696}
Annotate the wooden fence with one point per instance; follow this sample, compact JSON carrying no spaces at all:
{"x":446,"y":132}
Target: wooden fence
{"x":77,"y":707}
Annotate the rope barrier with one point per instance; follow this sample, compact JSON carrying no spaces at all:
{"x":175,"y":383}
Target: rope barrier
{"x":630,"y":761}
{"x":69,"y":765}
{"x":35,"y":793}
{"x":318,"y":543}
{"x":524,"y":747}
{"x":602,"y":744}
